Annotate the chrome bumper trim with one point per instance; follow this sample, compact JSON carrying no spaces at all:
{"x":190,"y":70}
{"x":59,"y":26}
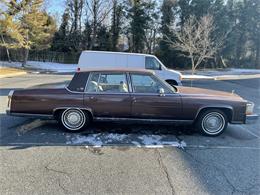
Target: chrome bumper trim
{"x":252,"y":118}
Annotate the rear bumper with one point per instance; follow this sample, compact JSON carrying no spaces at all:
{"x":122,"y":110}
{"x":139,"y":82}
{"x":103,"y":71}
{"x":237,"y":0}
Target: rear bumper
{"x":252,"y":118}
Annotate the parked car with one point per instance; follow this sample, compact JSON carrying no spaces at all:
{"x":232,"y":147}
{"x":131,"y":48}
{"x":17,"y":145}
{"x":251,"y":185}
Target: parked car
{"x":130,"y":95}
{"x":104,"y":59}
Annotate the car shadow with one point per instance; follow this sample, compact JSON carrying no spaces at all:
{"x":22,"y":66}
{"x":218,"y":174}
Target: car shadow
{"x":23,"y":131}
{"x":26,"y":132}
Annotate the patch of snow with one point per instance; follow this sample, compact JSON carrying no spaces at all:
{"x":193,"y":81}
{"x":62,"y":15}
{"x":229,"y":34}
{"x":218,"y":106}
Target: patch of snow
{"x":153,"y":146}
{"x":137,"y":144}
{"x":151,"y":140}
{"x":116,"y":137}
{"x":242,"y":70}
{"x":220,"y":72}
{"x":92,"y":140}
{"x":196,"y":77}
{"x":10,"y":64}
{"x":44,"y":66}
{"x":103,"y":139}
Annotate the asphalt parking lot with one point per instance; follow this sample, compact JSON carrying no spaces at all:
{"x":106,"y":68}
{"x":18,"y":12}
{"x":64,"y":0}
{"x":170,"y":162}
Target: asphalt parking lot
{"x":37,"y":157}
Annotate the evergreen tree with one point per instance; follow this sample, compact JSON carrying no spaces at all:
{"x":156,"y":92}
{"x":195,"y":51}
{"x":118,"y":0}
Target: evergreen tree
{"x":32,"y":26}
{"x":116,"y":20}
{"x":153,"y":27}
{"x":166,"y":52}
{"x":86,"y":36}
{"x":137,"y":14}
{"x":59,"y":42}
{"x":103,"y":42}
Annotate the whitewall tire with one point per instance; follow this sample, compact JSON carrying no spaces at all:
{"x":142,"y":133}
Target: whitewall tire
{"x":73,"y":119}
{"x":212,"y":122}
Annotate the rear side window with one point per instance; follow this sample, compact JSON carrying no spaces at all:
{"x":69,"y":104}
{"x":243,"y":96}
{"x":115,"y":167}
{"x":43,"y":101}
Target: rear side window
{"x":93,"y":83}
{"x":78,"y":82}
{"x":107,"y":83}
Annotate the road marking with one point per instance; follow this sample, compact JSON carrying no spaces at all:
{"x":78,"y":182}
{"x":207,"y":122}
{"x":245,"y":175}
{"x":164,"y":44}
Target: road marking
{"x":222,"y":147}
{"x":257,"y":136}
{"x":237,"y":77}
{"x":30,"y":126}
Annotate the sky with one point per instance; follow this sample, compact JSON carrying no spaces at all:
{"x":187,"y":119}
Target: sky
{"x":55,"y":7}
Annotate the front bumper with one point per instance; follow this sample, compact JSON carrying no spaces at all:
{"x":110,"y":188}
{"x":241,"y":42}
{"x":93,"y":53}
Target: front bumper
{"x":252,"y":118}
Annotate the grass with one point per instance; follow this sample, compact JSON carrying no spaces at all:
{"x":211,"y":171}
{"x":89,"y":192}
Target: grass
{"x":6,"y":71}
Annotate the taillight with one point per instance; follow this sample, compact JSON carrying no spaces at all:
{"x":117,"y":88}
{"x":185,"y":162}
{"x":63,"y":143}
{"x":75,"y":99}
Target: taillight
{"x":10,"y":98}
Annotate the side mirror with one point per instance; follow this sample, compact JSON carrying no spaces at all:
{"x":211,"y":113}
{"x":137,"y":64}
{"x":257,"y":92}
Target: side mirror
{"x":161,"y":92}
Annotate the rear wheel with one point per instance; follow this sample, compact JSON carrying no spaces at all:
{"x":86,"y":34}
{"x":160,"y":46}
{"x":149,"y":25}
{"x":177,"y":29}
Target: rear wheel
{"x":212,"y":122}
{"x":73,"y":119}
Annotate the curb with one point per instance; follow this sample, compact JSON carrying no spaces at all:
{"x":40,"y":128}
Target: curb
{"x":13,"y":74}
{"x":237,"y":77}
{"x":223,"y":77}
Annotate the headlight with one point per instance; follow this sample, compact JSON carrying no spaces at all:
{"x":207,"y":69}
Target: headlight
{"x":180,"y":77}
{"x":249,"y":108}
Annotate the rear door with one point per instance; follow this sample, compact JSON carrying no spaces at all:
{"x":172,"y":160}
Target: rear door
{"x":107,"y":94}
{"x":147,"y":101}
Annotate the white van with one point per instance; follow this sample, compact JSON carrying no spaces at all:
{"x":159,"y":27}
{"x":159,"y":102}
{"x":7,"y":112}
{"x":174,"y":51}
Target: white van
{"x":104,"y":59}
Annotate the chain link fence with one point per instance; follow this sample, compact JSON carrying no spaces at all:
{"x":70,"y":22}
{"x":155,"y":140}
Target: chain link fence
{"x":16,"y":55}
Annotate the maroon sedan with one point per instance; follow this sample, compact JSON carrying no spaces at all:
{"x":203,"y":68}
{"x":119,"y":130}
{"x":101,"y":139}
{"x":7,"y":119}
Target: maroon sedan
{"x":130,"y":95}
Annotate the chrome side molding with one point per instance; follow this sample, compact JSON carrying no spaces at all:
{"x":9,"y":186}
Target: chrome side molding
{"x":145,"y":120}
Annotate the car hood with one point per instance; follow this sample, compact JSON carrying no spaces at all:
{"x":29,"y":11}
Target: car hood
{"x":207,"y":92}
{"x":174,"y":71}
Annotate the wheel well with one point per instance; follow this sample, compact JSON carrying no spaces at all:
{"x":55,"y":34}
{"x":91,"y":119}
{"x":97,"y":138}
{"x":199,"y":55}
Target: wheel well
{"x":227,"y":111}
{"x":57,"y":112}
{"x":171,"y":82}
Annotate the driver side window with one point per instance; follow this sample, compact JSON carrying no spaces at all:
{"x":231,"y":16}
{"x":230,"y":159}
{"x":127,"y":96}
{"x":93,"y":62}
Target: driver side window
{"x":152,"y":64}
{"x":146,"y":84}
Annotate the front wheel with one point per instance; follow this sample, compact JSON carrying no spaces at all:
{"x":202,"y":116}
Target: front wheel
{"x":212,"y":122}
{"x":73,"y":120}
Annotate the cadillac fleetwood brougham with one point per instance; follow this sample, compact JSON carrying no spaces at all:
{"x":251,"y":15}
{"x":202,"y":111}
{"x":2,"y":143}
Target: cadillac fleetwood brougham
{"x":130,"y":95}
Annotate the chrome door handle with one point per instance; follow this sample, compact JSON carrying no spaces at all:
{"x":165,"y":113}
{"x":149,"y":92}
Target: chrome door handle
{"x":92,"y":98}
{"x":134,"y":99}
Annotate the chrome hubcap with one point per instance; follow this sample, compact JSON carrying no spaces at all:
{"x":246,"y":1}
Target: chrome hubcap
{"x":213,"y":123}
{"x":73,"y":119}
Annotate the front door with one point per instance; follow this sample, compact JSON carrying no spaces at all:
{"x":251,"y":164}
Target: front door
{"x":107,"y":94}
{"x":147,"y":102}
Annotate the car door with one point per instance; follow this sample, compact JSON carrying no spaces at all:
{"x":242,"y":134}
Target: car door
{"x":107,"y":95}
{"x":147,"y":102}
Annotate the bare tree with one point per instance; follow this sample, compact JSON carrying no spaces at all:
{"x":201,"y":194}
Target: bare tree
{"x":99,"y":10}
{"x":153,"y":27}
{"x":76,"y":8}
{"x":195,"y":40}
